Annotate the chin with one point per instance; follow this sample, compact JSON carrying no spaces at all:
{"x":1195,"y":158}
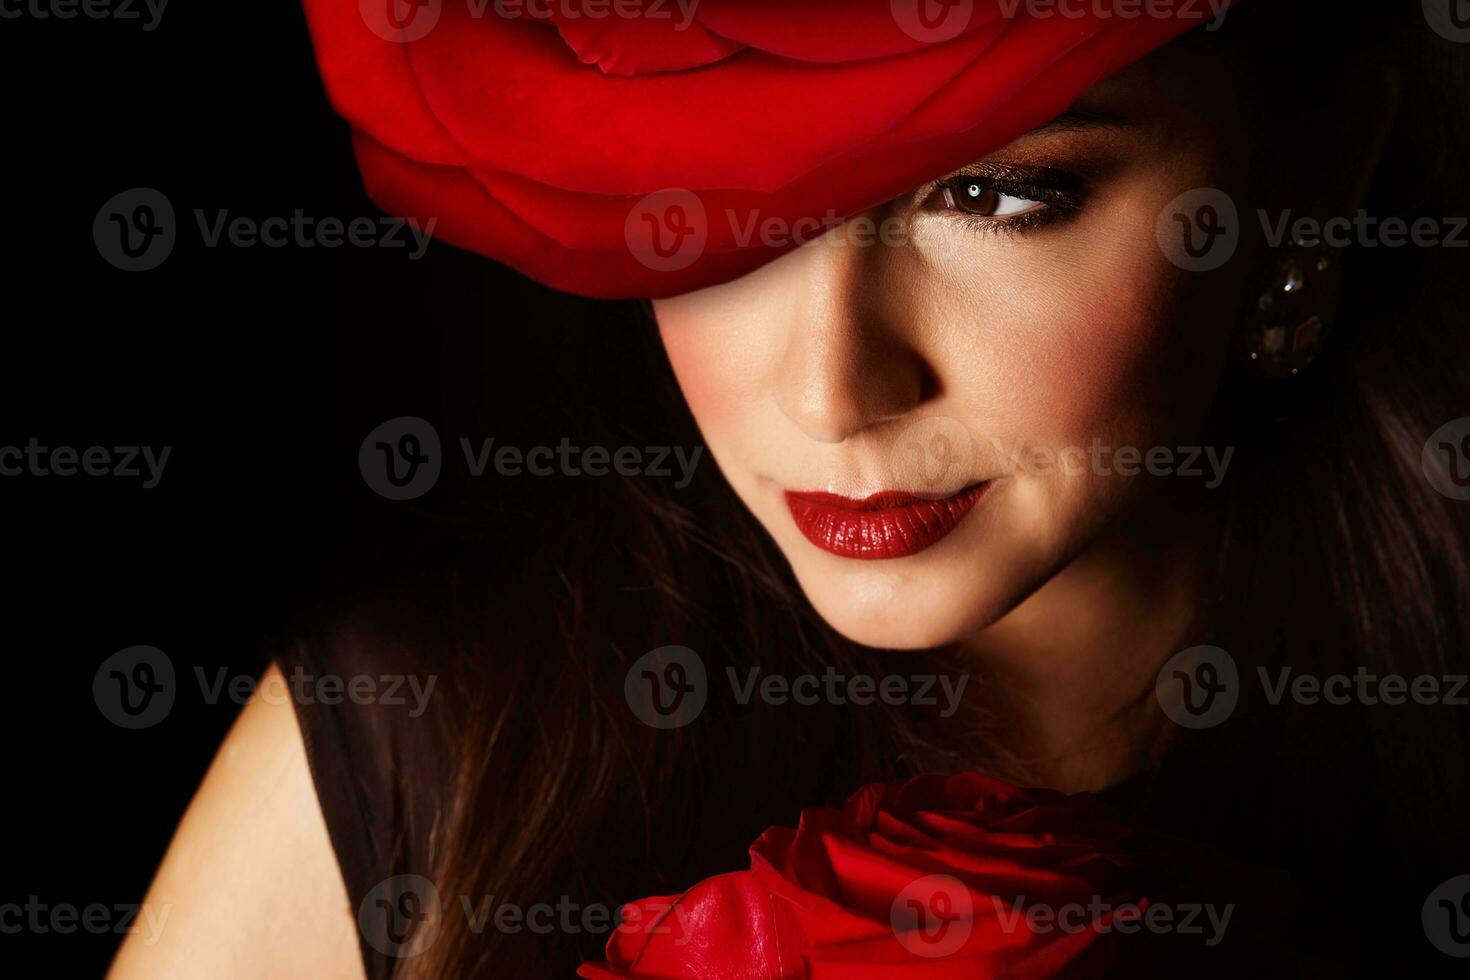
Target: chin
{"x":885,"y":605}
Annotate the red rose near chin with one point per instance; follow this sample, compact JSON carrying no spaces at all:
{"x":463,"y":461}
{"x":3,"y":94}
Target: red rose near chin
{"x":535,"y":130}
{"x":955,"y":877}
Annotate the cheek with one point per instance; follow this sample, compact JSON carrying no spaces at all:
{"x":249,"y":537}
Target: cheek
{"x":722,"y":345}
{"x":1073,"y":342}
{"x":691,"y":338}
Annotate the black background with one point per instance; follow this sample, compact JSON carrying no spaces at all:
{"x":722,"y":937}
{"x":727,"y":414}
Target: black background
{"x":262,"y":369}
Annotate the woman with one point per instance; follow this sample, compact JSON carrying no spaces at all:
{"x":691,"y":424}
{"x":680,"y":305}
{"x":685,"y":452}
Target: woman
{"x":1037,"y":428}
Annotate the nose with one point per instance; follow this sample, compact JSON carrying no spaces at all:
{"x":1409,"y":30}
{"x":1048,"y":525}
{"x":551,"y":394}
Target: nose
{"x":849,"y":362}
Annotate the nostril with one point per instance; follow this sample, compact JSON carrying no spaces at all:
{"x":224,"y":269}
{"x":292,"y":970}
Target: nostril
{"x":834,"y":401}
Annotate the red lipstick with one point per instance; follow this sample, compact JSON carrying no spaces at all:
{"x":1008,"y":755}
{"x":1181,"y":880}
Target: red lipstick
{"x":889,"y":524}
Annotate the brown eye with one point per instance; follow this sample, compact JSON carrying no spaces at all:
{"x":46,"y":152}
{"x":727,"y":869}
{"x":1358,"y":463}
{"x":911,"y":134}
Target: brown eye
{"x":973,"y":197}
{"x":981,"y":199}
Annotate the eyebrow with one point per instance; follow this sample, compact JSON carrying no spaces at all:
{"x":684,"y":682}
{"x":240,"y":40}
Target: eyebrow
{"x":1082,"y":118}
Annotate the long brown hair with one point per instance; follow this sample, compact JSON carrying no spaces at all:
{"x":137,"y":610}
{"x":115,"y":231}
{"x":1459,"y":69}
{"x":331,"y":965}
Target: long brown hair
{"x":1335,"y":552}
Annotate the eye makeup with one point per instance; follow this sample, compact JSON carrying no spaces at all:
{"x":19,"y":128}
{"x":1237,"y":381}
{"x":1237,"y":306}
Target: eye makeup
{"x":1006,"y":197}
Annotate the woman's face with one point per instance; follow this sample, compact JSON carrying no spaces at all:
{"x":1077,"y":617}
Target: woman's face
{"x":931,"y":426}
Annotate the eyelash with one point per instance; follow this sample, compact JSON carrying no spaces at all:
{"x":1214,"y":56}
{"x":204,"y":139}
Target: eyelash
{"x":1057,"y":203}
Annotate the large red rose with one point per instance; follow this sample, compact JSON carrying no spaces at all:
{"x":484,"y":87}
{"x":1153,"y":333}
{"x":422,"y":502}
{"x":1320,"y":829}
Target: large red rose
{"x":621,"y":148}
{"x":955,"y":877}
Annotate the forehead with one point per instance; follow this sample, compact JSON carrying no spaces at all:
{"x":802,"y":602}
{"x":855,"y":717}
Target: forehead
{"x":1178,"y":93}
{"x":1181,"y":79}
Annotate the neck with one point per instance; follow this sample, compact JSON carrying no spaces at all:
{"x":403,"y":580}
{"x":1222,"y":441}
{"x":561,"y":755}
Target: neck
{"x":1077,"y":660}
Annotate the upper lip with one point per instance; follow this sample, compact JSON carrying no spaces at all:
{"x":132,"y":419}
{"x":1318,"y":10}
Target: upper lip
{"x":880,"y":500}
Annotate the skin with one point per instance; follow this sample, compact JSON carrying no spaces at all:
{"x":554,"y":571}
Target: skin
{"x":250,"y":885}
{"x":968,"y":353}
{"x":835,"y":368}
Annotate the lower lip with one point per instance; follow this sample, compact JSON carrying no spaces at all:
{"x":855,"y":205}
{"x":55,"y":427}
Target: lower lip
{"x":885,"y":525}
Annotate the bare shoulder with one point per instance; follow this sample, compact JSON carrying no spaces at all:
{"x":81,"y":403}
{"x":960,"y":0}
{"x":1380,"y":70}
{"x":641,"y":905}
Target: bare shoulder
{"x":250,"y":886}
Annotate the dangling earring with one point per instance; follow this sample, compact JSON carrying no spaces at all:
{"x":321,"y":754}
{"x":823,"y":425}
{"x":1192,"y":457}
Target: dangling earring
{"x":1288,"y":327}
